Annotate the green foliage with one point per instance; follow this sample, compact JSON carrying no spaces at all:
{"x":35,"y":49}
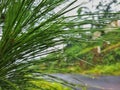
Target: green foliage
{"x":45,"y":85}
{"x":81,"y":47}
{"x":29,"y":29}
{"x":111,"y":69}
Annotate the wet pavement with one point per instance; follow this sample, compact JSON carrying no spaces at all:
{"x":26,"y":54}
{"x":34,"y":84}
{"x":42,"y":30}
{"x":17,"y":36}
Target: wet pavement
{"x":92,"y":82}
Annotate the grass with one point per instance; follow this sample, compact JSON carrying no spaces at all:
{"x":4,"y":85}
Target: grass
{"x":46,"y":85}
{"x":111,"y":69}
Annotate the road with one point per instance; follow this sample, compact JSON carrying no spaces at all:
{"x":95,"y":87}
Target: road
{"x":92,"y":82}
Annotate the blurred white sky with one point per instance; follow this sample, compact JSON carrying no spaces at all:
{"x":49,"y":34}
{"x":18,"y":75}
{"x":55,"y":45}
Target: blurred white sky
{"x":91,"y":5}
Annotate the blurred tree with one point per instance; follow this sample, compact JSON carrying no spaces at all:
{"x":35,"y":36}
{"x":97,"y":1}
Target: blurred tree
{"x":96,"y":30}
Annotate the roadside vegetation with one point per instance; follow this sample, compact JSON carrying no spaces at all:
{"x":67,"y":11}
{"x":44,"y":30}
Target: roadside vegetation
{"x":81,"y":54}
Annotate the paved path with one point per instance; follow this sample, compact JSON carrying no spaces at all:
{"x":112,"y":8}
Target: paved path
{"x":93,"y":83}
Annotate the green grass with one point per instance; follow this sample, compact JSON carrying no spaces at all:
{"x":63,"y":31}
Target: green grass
{"x":113,"y":69}
{"x":46,"y":85}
